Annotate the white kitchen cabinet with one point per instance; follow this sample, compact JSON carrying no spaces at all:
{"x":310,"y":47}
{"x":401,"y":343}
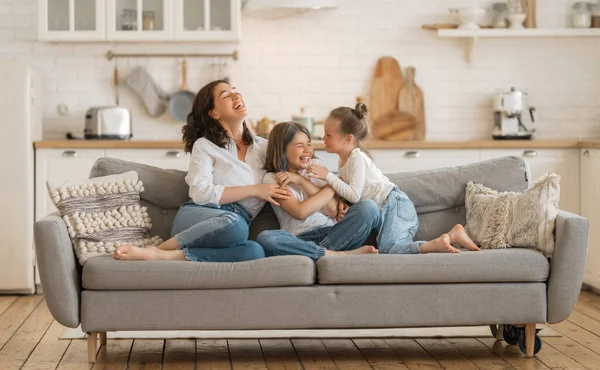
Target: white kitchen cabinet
{"x":541,"y":161}
{"x":207,"y":20}
{"x":392,"y":161}
{"x":162,"y":158}
{"x":330,"y":160}
{"x":57,"y":166}
{"x":590,"y":204}
{"x":71,"y":20}
{"x":139,"y":20}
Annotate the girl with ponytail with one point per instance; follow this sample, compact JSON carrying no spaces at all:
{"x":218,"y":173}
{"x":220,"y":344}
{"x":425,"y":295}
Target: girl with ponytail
{"x":360,"y":179}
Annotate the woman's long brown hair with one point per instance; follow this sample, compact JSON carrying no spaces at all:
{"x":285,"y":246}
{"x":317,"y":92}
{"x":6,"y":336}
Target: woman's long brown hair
{"x":201,"y":124}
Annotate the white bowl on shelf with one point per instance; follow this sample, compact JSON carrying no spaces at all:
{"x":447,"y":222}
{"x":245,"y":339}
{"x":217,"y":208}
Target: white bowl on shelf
{"x":469,"y":17}
{"x":516,"y":20}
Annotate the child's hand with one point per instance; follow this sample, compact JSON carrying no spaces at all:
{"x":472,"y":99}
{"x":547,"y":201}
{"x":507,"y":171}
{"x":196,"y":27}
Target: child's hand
{"x":284,"y":178}
{"x":317,"y":172}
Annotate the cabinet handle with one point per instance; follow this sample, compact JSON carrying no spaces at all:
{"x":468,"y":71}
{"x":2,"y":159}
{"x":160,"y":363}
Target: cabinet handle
{"x":412,"y":154}
{"x":530,"y":153}
{"x":70,"y":153}
{"x":174,"y":154}
{"x":586,"y":153}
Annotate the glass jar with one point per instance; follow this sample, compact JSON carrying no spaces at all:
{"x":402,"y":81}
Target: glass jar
{"x":148,"y":21}
{"x":596,"y":15}
{"x":129,"y":20}
{"x":582,"y":15}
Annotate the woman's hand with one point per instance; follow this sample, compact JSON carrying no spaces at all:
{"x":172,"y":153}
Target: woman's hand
{"x":270,"y":192}
{"x":317,"y":172}
{"x":342,"y":209}
{"x":284,"y":178}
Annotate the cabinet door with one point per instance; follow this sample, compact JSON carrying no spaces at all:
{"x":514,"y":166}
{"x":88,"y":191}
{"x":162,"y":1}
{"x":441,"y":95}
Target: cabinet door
{"x":57,"y":166}
{"x":590,"y":204}
{"x":162,"y":158}
{"x":564,"y":162}
{"x":71,"y":20}
{"x":329,"y":160}
{"x":214,"y":20}
{"x":139,"y":20}
{"x":392,"y":160}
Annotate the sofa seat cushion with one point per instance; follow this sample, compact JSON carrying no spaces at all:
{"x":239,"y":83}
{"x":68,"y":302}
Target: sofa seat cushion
{"x":486,"y":266}
{"x":106,"y":273}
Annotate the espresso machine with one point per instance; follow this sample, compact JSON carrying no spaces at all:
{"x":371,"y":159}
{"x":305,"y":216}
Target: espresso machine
{"x":513,"y":117}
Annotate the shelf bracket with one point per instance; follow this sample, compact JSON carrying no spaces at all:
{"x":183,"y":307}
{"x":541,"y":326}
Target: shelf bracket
{"x":471,"y":41}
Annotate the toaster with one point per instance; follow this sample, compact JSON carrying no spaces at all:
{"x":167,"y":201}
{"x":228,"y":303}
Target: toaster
{"x":109,"y":122}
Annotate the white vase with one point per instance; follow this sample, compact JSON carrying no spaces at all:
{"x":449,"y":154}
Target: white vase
{"x":516,"y":20}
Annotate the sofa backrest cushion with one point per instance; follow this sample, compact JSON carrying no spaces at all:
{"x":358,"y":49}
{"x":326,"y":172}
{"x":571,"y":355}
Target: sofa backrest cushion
{"x":438,"y":195}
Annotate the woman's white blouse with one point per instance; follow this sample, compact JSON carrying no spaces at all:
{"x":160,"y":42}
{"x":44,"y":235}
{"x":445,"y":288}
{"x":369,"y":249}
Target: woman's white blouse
{"x":213,"y":168}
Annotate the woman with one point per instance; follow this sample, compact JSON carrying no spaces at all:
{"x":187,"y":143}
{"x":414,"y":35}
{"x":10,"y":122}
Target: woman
{"x":306,"y":218}
{"x":225,"y":185}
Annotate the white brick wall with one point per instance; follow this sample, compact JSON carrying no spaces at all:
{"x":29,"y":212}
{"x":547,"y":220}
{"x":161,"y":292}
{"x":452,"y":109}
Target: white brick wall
{"x":325,"y":59}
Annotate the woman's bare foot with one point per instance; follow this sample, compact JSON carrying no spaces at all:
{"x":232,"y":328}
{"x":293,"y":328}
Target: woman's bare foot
{"x":132,"y":253}
{"x":458,"y":235}
{"x":365,"y":249}
{"x":439,"y":245}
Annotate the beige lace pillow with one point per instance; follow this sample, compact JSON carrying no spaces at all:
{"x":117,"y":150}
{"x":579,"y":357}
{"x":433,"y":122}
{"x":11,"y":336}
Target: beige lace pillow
{"x":505,"y":219}
{"x":103,"y":213}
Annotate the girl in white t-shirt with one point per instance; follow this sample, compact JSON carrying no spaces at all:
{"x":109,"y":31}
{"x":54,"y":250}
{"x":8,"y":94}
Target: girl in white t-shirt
{"x":307,"y":218}
{"x":360,"y":179}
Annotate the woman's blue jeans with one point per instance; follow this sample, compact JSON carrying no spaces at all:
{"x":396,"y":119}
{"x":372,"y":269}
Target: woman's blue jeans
{"x":346,"y":235}
{"x":210,"y":234}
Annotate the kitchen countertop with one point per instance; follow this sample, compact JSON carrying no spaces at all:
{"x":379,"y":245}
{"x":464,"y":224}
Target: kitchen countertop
{"x":369,"y":144}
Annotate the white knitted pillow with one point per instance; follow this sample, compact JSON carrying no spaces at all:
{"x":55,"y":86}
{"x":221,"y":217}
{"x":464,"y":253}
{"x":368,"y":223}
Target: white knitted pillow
{"x":103,"y":213}
{"x":505,"y":219}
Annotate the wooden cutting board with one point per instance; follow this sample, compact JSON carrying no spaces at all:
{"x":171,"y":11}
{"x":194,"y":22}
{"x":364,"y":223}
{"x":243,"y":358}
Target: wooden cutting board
{"x":394,"y":125}
{"x":387,"y":83}
{"x":411,"y":100}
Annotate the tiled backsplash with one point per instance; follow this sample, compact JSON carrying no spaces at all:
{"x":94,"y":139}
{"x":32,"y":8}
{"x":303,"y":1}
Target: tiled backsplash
{"x":321,"y":60}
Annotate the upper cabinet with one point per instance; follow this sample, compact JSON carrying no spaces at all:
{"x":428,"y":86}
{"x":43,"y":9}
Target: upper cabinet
{"x":139,"y":20}
{"x":211,"y":20}
{"x":72,"y":20}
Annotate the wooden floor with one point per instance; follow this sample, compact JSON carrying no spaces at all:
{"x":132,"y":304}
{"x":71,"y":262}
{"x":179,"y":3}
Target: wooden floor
{"x":29,"y":340}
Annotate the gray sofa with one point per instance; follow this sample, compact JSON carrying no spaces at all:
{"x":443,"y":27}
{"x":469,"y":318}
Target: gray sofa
{"x":518,"y":287}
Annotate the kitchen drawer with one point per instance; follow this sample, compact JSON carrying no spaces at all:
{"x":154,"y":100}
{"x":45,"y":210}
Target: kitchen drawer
{"x":392,"y":161}
{"x":564,"y":162}
{"x":162,"y":158}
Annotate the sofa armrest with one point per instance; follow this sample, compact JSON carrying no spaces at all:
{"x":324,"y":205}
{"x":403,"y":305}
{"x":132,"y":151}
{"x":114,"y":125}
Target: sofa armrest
{"x":60,"y":272}
{"x":567,"y":265}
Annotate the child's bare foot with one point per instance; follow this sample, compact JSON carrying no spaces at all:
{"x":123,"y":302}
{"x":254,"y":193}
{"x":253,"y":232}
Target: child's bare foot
{"x":439,"y":245}
{"x":131,"y":253}
{"x":458,"y":235}
{"x":365,"y":249}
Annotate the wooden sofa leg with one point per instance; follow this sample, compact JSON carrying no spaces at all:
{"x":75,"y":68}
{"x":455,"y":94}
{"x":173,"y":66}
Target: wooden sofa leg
{"x":102,"y":338}
{"x":530,"y":339}
{"x":500,"y":332}
{"x":92,"y":341}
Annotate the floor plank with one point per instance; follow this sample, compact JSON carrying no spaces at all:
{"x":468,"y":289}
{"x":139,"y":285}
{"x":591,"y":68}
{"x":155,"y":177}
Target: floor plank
{"x":312,"y":354}
{"x":5,"y":302}
{"x":146,"y":354}
{"x":412,"y":354}
{"x":579,"y":335}
{"x":572,"y":349}
{"x":479,"y":354}
{"x":345,"y":354}
{"x":444,"y":353}
{"x":113,"y":356}
{"x":513,"y":356}
{"x":586,"y":322}
{"x":49,"y":350}
{"x":15,"y":315}
{"x":75,"y":357}
{"x":279,"y":354}
{"x":180,"y":354}
{"x":212,"y":354}
{"x":17,"y":350}
{"x":246,"y":354}
{"x":379,"y":355}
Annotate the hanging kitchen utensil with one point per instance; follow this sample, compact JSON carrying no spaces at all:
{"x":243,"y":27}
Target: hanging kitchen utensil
{"x":181,"y":102}
{"x":116,"y":82}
